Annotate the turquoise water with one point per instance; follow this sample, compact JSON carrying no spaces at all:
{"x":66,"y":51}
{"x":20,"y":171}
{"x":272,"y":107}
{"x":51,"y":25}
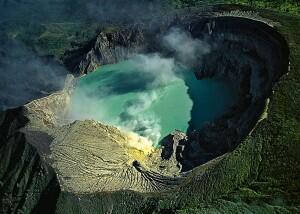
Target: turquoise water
{"x":146,"y":103}
{"x":211,"y":99}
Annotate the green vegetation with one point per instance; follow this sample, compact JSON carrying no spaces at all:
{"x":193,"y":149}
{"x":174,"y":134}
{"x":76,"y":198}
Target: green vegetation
{"x":56,"y":37}
{"x":288,"y":6}
{"x":50,"y":38}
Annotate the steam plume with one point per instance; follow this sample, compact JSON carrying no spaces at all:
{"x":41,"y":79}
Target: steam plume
{"x":187,"y":49}
{"x":150,"y":73}
{"x":25,"y":76}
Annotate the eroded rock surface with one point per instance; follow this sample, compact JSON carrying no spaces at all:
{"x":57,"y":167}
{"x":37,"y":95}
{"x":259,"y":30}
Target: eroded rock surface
{"x":91,"y":157}
{"x":27,"y":183}
{"x":112,"y":47}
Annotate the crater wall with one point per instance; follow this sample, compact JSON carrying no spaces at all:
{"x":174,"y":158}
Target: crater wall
{"x":248,"y":53}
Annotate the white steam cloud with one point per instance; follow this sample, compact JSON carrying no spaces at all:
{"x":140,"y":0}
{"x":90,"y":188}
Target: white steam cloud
{"x":162,"y":69}
{"x":187,"y":49}
{"x":154,"y":72}
{"x":26,"y":76}
{"x":134,"y":119}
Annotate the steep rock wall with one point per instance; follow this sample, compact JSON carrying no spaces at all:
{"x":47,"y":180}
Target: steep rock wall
{"x":27,"y":183}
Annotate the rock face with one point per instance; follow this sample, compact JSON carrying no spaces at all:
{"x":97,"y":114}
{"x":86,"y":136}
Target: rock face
{"x":173,"y":147}
{"x":111,"y":47}
{"x":27,"y":183}
{"x":252,"y":57}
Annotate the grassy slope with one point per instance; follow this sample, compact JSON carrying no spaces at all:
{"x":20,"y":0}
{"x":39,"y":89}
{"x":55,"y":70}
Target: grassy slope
{"x":50,"y":38}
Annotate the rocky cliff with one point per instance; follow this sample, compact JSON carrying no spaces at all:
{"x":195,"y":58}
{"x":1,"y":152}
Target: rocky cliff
{"x":252,"y":57}
{"x":27,"y":182}
{"x":112,"y":47}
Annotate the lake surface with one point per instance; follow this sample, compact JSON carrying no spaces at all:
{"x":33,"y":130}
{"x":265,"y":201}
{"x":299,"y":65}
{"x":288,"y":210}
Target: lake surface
{"x":148,"y":103}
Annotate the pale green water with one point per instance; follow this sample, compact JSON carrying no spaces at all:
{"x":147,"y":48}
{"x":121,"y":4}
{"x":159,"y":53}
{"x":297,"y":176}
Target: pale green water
{"x":120,"y":95}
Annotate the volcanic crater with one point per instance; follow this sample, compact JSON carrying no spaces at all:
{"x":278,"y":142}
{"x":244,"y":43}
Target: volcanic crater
{"x":89,"y":156}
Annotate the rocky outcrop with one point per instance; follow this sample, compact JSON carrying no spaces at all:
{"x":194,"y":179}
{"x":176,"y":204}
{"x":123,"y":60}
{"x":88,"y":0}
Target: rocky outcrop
{"x":173,"y":147}
{"x":111,"y":47}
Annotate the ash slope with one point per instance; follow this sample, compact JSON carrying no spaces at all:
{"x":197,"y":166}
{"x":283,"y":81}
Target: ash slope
{"x":216,"y":178}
